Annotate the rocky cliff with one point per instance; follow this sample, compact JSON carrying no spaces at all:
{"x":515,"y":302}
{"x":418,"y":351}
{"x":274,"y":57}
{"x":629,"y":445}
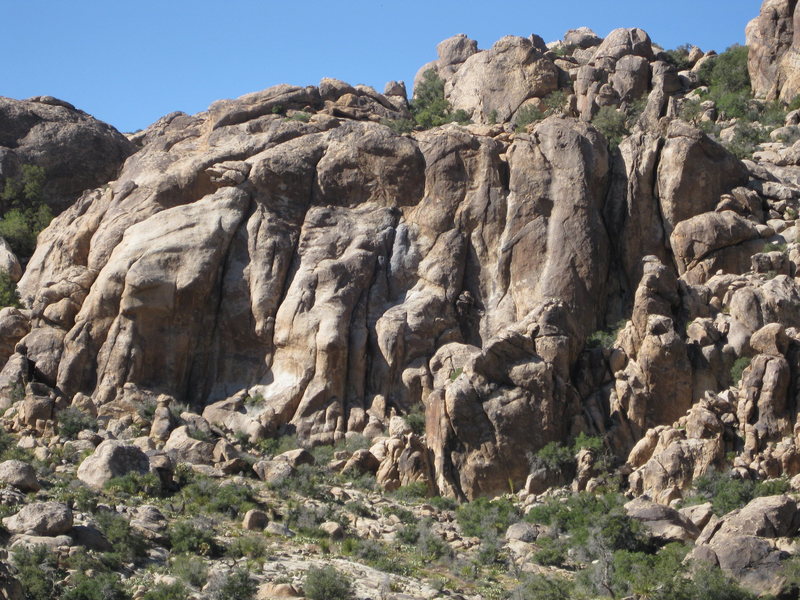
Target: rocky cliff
{"x":290,"y":263}
{"x":289,"y":246}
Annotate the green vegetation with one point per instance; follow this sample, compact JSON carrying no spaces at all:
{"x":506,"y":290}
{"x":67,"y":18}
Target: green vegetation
{"x":166,"y":591}
{"x":98,"y":586}
{"x":775,"y":247}
{"x":551,"y":104}
{"x":193,"y":537}
{"x":132,"y":484}
{"x":24,"y":211}
{"x":738,"y":367}
{"x":9,"y":296}
{"x":205,"y":494}
{"x":481,"y":516}
{"x":558,"y":457}
{"x":72,"y":421}
{"x":612,"y":123}
{"x":37,"y":572}
{"x":128,"y":546}
{"x":327,"y":583}
{"x":726,"y":493}
{"x":429,"y":108}
{"x":237,"y":585}
{"x":679,"y":57}
{"x":606,"y":338}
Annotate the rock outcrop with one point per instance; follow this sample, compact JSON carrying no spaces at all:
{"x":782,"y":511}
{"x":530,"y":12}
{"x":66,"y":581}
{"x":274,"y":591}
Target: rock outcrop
{"x":774,"y":50}
{"x":76,"y":151}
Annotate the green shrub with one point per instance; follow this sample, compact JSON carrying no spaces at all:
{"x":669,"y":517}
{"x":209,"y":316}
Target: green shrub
{"x":430,"y":108}
{"x":327,"y":583}
{"x":481,"y":516}
{"x":545,"y":587}
{"x":612,"y":123}
{"x":189,"y":536}
{"x":141,"y":485}
{"x":251,"y":546}
{"x":585,"y":514}
{"x":727,"y":493}
{"x":679,"y":57}
{"x":9,"y":296}
{"x":166,"y":591}
{"x":416,"y":419}
{"x":399,"y":126}
{"x":71,"y":421}
{"x":551,"y":104}
{"x":204,"y":494}
{"x":774,"y":247}
{"x":745,"y":140}
{"x":738,"y":367}
{"x":551,"y":552}
{"x":413,"y":491}
{"x":555,"y":457}
{"x":192,"y":569}
{"x":606,"y":338}
{"x":9,"y":449}
{"x":37,"y":572}
{"x":128,"y":545}
{"x":101,"y":586}
{"x":24,"y":211}
{"x":442,"y":503}
{"x":237,"y":585}
{"x":301,"y":116}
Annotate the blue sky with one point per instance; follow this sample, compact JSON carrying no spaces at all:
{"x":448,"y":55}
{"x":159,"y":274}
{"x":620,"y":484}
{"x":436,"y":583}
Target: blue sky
{"x":128,"y":62}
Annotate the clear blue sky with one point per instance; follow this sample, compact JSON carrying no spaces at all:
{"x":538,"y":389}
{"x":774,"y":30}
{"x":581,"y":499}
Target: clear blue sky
{"x":128,"y":62}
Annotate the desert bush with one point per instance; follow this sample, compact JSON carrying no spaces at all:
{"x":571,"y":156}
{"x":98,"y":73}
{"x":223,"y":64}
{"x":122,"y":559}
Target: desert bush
{"x":72,"y":421}
{"x":24,"y":211}
{"x":128,"y":545}
{"x":326,"y":583}
{"x":430,"y":108}
{"x":250,"y":546}
{"x":190,"y":536}
{"x":417,"y":490}
{"x":479,"y":517}
{"x":100,"y":586}
{"x":142,"y":485}
{"x":204,"y":494}
{"x":237,"y":585}
{"x":612,"y":123}
{"x":545,"y":587}
{"x":727,"y":493}
{"x":678,"y":57}
{"x":738,"y":367}
{"x":37,"y":572}
{"x":192,"y":569}
{"x":9,"y":296}
{"x":416,"y":419}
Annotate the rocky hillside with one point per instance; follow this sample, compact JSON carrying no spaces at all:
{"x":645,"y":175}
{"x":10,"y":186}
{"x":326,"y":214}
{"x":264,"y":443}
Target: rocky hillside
{"x":565,"y":273}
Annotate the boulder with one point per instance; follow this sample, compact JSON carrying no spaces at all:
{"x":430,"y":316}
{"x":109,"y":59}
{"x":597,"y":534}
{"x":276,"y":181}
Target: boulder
{"x":19,"y":474}
{"x":513,"y":65}
{"x":255,"y":520}
{"x":665,"y":524}
{"x":76,"y":151}
{"x":112,"y":458}
{"x":41,"y":518}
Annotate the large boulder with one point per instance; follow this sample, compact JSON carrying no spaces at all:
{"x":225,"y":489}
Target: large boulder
{"x":112,"y":458}
{"x":41,"y":518}
{"x":76,"y":151}
{"x":494,"y":83}
{"x":19,"y":474}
